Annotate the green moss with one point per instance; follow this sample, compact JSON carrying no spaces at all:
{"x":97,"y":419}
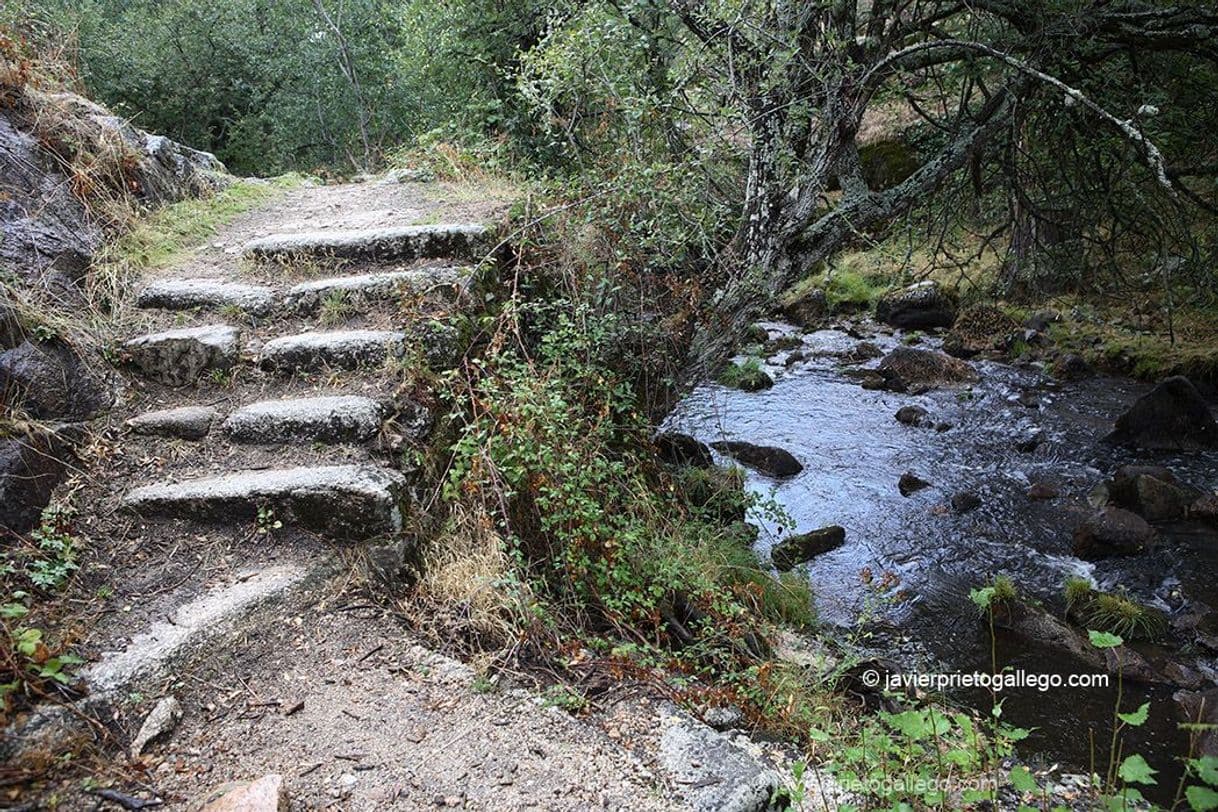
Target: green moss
{"x":887,"y":163}
{"x":785,"y":599}
{"x":1004,"y":590}
{"x":1078,"y":594}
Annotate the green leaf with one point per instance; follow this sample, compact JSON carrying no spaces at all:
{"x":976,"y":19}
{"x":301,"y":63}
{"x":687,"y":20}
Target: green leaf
{"x":10,"y":611}
{"x":1135,"y":770}
{"x":1137,"y":718}
{"x":1022,"y":780}
{"x":1201,"y":799}
{"x":1206,"y":769}
{"x":817,"y":735}
{"x":982,"y":597}
{"x":1104,"y":639}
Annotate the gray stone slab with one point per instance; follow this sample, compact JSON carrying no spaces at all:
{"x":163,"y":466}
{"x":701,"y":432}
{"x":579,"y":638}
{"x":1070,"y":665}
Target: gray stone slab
{"x":179,"y":357}
{"x":343,"y":502}
{"x":338,"y":348}
{"x":456,"y":240}
{"x":187,"y":422}
{"x":187,"y":294}
{"x":331,"y":419}
{"x":307,"y":296}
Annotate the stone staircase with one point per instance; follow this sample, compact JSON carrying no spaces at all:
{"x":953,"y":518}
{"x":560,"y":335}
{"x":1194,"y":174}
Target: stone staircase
{"x":272,"y":336}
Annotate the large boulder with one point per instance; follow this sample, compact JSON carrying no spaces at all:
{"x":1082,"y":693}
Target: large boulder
{"x":1171,"y":417}
{"x":798,"y":549}
{"x":48,"y":381}
{"x":907,"y":369}
{"x":923,"y":306}
{"x":1150,"y":491}
{"x":1112,"y":532}
{"x":30,"y":468}
{"x":764,"y":459}
{"x":805,"y":307}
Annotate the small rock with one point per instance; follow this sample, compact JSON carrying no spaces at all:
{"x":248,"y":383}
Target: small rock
{"x":913,"y":416}
{"x":1206,"y":508}
{"x":862,"y":352}
{"x":267,"y":794}
{"x":1041,"y":320}
{"x":767,"y":460}
{"x":795,"y":550}
{"x":965,"y":502}
{"x":1029,"y":400}
{"x":163,"y":719}
{"x":911,"y":483}
{"x":1071,"y":367}
{"x":1112,"y":532}
{"x":187,"y":422}
{"x":179,"y":357}
{"x":1171,"y":417}
{"x":944,"y":426}
{"x":794,"y":358}
{"x":723,"y":717}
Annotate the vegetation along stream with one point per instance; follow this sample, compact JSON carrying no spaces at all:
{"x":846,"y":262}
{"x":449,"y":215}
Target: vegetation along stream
{"x":1012,"y":439}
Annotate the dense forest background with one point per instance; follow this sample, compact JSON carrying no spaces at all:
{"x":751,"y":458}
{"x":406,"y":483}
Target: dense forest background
{"x":657,"y":102}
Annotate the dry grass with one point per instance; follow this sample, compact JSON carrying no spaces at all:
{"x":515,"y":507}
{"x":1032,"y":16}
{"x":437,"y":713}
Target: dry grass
{"x":467,"y":585}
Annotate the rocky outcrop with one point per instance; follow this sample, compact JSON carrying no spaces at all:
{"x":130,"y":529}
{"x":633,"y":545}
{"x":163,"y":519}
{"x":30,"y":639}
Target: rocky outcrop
{"x":1112,"y":532}
{"x":764,"y":459}
{"x":795,"y":550}
{"x":923,"y":306}
{"x":907,"y":369}
{"x":50,"y":234}
{"x":1171,"y":417}
{"x":47,"y":380}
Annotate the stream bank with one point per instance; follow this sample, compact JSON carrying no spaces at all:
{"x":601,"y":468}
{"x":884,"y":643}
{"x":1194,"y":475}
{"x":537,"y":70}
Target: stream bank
{"x":1011,"y":463}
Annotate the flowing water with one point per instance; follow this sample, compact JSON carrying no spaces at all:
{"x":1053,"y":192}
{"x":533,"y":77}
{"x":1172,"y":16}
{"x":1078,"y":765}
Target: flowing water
{"x":854,"y":451}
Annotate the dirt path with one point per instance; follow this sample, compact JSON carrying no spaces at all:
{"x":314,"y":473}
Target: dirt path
{"x":258,"y":453}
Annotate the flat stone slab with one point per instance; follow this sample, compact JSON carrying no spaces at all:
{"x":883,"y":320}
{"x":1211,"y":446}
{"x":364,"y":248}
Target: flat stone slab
{"x":714,"y":773}
{"x":332,"y":419}
{"x":307,"y":296}
{"x":188,"y":294}
{"x":179,"y":357}
{"x":339,"y":348}
{"x":192,"y":623}
{"x":343,"y":502}
{"x":456,"y":240}
{"x":187,"y":422}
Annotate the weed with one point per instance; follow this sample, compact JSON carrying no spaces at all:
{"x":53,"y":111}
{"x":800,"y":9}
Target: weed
{"x":1119,"y":615}
{"x":266,"y":523}
{"x":57,"y":547}
{"x":565,"y":697}
{"x":748,"y":376}
{"x":336,"y":307}
{"x":1078,"y":594}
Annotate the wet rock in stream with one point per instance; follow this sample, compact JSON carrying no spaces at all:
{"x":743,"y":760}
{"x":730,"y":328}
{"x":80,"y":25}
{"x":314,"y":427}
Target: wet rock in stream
{"x":1151,"y":491}
{"x":906,"y":369}
{"x":676,"y":448}
{"x":764,"y":459}
{"x":913,"y":416}
{"x":795,"y":550}
{"x":923,"y":306}
{"x":910,"y":483}
{"x":1111,"y":532}
{"x":1171,"y":417}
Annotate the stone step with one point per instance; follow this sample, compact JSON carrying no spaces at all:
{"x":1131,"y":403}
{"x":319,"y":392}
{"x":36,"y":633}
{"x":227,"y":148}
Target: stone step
{"x":190,"y":625}
{"x":307,"y":296}
{"x":330,"y":419}
{"x":188,"y":294}
{"x":343,"y":502}
{"x":179,"y":357}
{"x":185,"y":422}
{"x":401,"y":243}
{"x":336,"y":348}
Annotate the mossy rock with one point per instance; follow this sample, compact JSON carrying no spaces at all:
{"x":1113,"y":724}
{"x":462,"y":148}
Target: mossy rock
{"x":748,"y":377}
{"x":887,"y":163}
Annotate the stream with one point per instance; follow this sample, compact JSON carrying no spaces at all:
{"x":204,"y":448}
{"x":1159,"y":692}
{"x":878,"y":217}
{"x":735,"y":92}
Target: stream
{"x":854,"y":450}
